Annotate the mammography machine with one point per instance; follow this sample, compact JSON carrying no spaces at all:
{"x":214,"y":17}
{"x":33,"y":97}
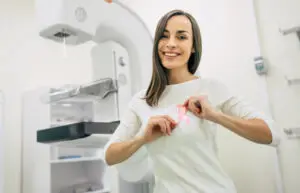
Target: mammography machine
{"x":64,"y":136}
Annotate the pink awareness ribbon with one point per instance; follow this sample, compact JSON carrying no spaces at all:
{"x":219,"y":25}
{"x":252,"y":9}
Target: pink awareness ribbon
{"x":181,"y":111}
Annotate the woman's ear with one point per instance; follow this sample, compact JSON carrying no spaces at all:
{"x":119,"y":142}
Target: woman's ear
{"x":193,"y":50}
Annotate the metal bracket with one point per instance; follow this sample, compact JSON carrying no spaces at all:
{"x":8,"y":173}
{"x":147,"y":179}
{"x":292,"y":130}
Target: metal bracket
{"x":292,"y":132}
{"x":291,"y":30}
{"x":293,"y":81}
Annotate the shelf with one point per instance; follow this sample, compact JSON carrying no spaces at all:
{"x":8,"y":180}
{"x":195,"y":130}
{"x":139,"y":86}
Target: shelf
{"x":72,"y":160}
{"x":93,"y":141}
{"x":81,"y":93}
{"x":100,"y":191}
{"x":82,"y":134}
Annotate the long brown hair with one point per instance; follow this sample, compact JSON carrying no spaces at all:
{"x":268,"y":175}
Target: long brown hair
{"x":159,"y":78}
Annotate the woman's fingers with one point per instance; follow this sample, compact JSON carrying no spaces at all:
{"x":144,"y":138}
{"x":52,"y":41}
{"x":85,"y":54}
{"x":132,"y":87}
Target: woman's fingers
{"x":186,"y":103}
{"x":162,"y":126}
{"x":194,"y":105}
{"x":166,"y":124}
{"x":172,"y":121}
{"x":168,"y":127}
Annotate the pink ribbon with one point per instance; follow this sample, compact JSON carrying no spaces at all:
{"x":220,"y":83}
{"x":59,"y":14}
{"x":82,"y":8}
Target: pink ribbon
{"x":181,"y":110}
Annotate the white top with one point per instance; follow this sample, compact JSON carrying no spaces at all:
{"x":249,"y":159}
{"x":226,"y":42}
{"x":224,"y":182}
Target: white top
{"x":187,"y":160}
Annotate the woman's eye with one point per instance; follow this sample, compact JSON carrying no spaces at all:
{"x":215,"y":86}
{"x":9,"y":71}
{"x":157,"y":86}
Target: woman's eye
{"x":182,"y":37}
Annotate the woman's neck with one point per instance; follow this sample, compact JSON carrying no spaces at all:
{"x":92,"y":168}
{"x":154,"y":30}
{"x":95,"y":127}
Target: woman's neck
{"x":176,"y":77}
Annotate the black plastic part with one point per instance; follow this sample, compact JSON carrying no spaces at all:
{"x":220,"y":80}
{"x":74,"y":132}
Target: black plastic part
{"x":75,"y":131}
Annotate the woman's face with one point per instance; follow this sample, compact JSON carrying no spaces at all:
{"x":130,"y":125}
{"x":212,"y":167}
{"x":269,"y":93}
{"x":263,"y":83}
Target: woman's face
{"x":176,"y":44}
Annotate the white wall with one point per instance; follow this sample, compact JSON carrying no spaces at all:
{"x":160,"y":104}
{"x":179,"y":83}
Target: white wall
{"x":2,"y":107}
{"x":283,"y":55}
{"x":27,"y":61}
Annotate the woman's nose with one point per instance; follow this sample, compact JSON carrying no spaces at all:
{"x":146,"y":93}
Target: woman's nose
{"x":171,"y":43}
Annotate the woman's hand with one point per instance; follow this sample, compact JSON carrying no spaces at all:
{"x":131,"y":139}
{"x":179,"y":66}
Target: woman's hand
{"x":158,"y":126}
{"x":200,"y":107}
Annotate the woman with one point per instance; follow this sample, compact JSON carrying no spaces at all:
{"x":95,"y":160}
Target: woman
{"x":177,"y":116}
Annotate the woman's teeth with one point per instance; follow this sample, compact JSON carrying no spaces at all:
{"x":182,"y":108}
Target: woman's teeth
{"x":171,"y":54}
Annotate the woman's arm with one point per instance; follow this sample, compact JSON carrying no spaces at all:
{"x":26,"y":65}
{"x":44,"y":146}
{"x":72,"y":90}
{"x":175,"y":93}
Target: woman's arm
{"x":123,"y":142}
{"x":235,"y":115}
{"x":239,"y":117}
{"x":121,"y":151}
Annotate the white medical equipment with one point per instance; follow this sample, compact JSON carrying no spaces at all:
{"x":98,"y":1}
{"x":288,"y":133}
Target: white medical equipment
{"x":66,"y":128}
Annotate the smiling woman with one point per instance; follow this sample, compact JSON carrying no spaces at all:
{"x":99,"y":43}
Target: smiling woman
{"x":176,"y":46}
{"x":176,"y":53}
{"x":177,"y":117}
